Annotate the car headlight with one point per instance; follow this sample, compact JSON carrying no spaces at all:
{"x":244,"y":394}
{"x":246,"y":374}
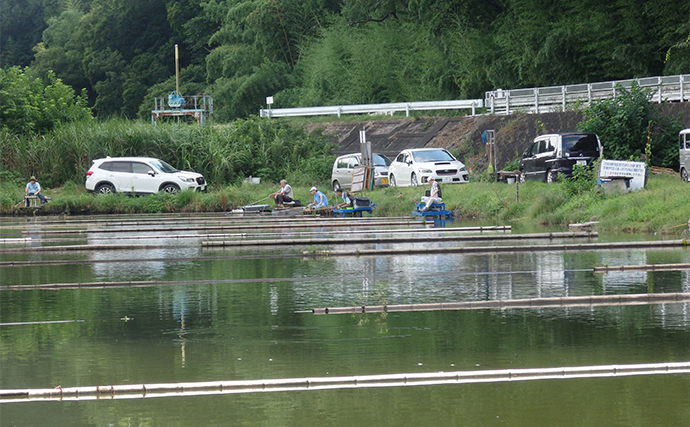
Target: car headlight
{"x":463,"y":169}
{"x":186,"y":179}
{"x":425,"y":171}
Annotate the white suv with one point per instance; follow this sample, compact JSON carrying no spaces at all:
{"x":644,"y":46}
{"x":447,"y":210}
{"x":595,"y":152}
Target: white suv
{"x":139,"y":175}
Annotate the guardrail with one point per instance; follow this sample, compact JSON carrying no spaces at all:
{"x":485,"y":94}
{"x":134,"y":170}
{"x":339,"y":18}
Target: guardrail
{"x":529,"y":100}
{"x":560,"y":98}
{"x":466,"y":104}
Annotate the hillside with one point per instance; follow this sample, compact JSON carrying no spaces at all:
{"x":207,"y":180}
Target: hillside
{"x":462,"y":135}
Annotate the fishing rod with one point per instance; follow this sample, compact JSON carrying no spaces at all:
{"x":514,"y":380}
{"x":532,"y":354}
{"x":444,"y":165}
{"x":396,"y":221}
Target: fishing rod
{"x":253,"y":203}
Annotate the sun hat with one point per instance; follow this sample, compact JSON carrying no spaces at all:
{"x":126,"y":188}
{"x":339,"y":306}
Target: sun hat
{"x":33,"y":178}
{"x":313,"y":189}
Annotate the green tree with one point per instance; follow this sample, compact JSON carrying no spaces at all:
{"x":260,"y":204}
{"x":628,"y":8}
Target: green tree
{"x":30,"y":105}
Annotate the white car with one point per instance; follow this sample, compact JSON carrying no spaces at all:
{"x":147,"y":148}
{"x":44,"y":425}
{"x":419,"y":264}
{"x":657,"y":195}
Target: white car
{"x":416,"y":165}
{"x":341,"y":176}
{"x":139,"y":175}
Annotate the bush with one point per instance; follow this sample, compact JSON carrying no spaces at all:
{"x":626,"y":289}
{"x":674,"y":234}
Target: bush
{"x":627,"y":122}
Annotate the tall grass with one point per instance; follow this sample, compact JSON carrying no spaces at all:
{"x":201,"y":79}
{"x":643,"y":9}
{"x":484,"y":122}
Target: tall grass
{"x":269,"y":149}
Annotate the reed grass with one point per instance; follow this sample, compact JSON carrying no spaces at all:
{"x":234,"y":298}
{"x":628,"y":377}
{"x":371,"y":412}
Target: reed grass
{"x":269,"y":149}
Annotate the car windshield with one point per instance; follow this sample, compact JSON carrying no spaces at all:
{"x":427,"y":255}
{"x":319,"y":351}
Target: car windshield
{"x":432,"y":156}
{"x":381,"y":160}
{"x":163,"y":167}
{"x":578,"y":143}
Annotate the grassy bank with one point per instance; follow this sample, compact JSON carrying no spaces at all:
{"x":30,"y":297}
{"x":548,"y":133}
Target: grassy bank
{"x":664,"y":204}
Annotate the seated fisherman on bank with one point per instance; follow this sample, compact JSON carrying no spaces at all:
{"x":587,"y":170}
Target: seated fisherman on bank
{"x":320,"y":200}
{"x":347,"y":199}
{"x":434,"y":195}
{"x":283,"y":195}
{"x":33,"y":188}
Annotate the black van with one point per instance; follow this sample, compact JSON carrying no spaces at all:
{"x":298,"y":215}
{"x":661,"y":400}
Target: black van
{"x":553,"y":154}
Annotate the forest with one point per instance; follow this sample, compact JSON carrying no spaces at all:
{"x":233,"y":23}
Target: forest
{"x":117,"y":55}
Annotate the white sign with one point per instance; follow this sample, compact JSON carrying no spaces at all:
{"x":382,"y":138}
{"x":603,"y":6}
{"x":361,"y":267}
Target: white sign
{"x":269,"y":100}
{"x":623,"y":169}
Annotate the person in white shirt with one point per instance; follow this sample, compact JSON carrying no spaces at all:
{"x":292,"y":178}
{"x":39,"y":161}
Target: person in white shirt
{"x":434,"y":195}
{"x":283,"y":195}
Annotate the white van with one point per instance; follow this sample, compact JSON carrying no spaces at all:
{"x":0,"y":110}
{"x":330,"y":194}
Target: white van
{"x":684,"y":154}
{"x":341,"y":176}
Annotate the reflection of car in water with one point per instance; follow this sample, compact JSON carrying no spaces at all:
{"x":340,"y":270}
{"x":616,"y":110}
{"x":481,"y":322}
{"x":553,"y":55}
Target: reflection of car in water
{"x":416,"y":166}
{"x":684,"y":154}
{"x":341,"y":177}
{"x":554,"y":154}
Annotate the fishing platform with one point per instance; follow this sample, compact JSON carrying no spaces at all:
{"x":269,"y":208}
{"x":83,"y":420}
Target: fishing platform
{"x":435,"y":210}
{"x":358,"y":211}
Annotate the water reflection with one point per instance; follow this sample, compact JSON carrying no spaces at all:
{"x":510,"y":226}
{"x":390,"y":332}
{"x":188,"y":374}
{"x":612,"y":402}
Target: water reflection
{"x":230,"y":318}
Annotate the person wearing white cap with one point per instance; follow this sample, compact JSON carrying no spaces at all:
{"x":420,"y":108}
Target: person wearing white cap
{"x":320,"y":200}
{"x":434,"y":195}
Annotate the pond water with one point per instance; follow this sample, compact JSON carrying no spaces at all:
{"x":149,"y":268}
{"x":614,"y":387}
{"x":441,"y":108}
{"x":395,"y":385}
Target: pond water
{"x":180,"y":312}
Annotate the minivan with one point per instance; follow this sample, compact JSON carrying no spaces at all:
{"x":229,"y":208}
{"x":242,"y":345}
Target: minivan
{"x":554,"y":154}
{"x":684,"y":154}
{"x":341,"y":176}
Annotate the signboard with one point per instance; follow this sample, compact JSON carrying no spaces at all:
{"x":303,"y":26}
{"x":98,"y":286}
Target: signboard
{"x":636,"y":171}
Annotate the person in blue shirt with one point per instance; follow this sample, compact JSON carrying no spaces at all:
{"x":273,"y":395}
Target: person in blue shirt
{"x":33,"y":188}
{"x":320,"y":200}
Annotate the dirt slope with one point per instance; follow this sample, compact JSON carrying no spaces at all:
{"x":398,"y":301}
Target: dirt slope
{"x":463,"y":135}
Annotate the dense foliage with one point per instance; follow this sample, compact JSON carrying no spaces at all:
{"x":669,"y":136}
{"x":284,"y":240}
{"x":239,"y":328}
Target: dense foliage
{"x":630,"y":125}
{"x":31,"y":105}
{"x":314,"y":52}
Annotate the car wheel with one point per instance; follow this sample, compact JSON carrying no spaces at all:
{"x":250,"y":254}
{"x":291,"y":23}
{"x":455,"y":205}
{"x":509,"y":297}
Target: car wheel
{"x":391,"y":180}
{"x":336,"y":185}
{"x":106,"y":188}
{"x":413,"y":180}
{"x":170,"y":189}
{"x":551,"y":176}
{"x":684,"y":175}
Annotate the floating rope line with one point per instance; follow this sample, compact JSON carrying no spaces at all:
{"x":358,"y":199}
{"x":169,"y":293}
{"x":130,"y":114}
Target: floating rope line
{"x":188,"y":389}
{"x":397,"y":231}
{"x":579,"y":301}
{"x":227,"y":227}
{"x":554,"y":247}
{"x":398,"y":239}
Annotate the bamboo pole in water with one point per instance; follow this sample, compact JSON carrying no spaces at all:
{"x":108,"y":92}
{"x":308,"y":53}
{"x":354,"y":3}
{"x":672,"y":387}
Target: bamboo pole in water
{"x":141,"y":391}
{"x":578,"y":301}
